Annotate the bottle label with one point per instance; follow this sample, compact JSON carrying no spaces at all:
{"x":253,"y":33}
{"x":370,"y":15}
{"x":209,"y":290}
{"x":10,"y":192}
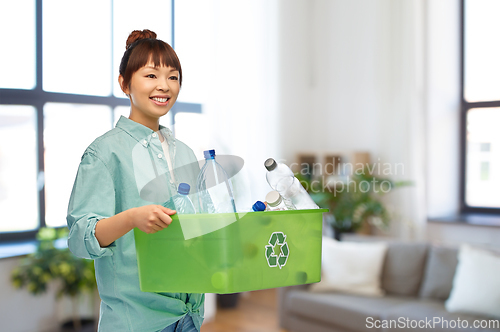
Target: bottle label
{"x":220,"y":198}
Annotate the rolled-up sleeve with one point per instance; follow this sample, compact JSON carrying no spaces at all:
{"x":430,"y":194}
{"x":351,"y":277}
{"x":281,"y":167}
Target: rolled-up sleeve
{"x":92,"y":199}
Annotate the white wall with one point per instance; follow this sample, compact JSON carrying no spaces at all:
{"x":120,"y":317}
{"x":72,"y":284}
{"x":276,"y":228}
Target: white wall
{"x":456,"y":234}
{"x":329,"y":76}
{"x":21,"y":311}
{"x":443,"y":107}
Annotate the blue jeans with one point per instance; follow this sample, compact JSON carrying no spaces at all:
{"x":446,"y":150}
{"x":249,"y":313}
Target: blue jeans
{"x":185,"y":324}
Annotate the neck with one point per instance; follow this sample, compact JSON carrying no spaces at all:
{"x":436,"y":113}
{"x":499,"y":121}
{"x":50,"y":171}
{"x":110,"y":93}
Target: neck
{"x":150,"y":122}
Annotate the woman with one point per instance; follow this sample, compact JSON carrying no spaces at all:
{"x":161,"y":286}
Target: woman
{"x":121,"y":173}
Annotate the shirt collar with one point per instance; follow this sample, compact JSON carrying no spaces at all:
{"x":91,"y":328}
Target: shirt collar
{"x":140,"y":132}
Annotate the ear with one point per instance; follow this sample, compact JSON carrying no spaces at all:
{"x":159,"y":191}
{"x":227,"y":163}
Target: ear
{"x":125,"y":89}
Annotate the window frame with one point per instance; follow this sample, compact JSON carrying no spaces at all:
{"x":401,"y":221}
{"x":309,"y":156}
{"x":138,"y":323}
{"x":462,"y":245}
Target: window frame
{"x":37,"y":98}
{"x":465,"y":106}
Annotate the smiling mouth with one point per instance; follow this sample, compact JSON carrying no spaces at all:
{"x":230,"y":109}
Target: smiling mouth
{"x":160,"y":100}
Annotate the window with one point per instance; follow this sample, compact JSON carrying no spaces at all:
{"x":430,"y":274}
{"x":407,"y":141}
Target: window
{"x":58,"y":92}
{"x":64,"y":144}
{"x":18,"y":171}
{"x":480,"y":106}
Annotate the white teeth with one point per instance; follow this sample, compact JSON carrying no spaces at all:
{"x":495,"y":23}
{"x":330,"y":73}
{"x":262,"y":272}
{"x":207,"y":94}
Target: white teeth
{"x":161,"y":100}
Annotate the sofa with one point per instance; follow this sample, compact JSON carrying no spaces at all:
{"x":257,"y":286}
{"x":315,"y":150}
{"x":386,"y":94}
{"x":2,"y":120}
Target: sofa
{"x":416,"y":279}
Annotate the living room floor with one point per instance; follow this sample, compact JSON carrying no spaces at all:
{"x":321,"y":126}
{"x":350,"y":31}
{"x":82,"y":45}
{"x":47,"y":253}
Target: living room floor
{"x":256,"y":312}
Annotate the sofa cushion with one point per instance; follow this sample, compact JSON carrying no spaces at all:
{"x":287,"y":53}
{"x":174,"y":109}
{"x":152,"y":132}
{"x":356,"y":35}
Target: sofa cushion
{"x":415,"y":311}
{"x":403,"y":268}
{"x":439,"y":272}
{"x":351,"y":267}
{"x":476,"y":286}
{"x":347,"y":311}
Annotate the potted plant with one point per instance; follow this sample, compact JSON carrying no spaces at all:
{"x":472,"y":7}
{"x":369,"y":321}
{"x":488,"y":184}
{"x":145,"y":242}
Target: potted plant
{"x":354,"y":202}
{"x":55,"y":263}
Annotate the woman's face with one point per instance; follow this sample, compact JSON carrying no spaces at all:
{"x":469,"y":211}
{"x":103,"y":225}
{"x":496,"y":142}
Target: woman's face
{"x":153,"y":91}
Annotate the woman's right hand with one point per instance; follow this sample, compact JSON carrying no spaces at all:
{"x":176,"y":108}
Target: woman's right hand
{"x":151,"y":218}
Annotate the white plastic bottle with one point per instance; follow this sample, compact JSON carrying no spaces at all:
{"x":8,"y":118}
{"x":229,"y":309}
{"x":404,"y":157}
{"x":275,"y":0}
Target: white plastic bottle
{"x":281,"y":178}
{"x":276,"y":203}
{"x":182,"y":202}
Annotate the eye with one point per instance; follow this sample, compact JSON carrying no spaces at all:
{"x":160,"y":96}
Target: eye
{"x":175,"y":78}
{"x":151,"y":76}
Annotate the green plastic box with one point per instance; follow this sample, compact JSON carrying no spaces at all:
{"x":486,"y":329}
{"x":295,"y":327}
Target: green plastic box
{"x":247,"y":251}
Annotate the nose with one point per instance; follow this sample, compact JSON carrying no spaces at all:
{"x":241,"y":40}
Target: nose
{"x":163,"y":85}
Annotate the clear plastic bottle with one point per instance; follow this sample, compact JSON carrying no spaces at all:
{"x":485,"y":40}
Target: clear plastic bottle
{"x":288,"y":203}
{"x":276,"y":171}
{"x":215,"y":191}
{"x":280,"y":177}
{"x":258,"y":206}
{"x":182,"y":202}
{"x":276,"y":203}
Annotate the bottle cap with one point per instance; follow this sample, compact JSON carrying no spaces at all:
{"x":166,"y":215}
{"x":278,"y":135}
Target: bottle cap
{"x":273,"y":198}
{"x":209,"y":154}
{"x":259,"y":206}
{"x":270,"y":164}
{"x":184,"y":189}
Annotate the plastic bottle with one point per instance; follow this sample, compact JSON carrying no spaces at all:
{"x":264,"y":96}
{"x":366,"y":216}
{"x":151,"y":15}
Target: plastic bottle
{"x":214,"y":187}
{"x":258,"y":206}
{"x":276,"y":171}
{"x":276,"y":203}
{"x":280,"y":177}
{"x":182,"y":202}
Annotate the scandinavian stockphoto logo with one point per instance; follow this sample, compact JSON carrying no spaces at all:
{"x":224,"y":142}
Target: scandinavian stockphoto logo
{"x":277,"y":250}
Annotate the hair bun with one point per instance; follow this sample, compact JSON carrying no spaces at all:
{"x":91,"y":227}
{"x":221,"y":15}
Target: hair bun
{"x":138,"y":34}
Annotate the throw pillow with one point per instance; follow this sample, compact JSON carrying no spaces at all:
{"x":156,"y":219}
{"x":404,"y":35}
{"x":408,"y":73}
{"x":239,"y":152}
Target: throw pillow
{"x":351,"y":267}
{"x":476,"y":285}
{"x":404,"y":267}
{"x":439,"y":272}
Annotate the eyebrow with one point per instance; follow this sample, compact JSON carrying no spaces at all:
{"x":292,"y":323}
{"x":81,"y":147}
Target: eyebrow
{"x":156,"y":68}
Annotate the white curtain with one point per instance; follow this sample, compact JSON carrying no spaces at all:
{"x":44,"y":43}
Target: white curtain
{"x":403,"y":112}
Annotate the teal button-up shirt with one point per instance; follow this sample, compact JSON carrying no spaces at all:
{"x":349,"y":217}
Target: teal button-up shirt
{"x":123,"y":169}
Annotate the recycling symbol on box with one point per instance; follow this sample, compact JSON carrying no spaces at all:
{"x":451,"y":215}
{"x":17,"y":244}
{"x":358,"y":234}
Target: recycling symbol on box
{"x":277,"y":250}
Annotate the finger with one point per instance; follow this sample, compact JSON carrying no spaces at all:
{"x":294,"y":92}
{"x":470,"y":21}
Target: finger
{"x":168,"y":211}
{"x":155,"y":227}
{"x":161,"y":225}
{"x":165,"y":220}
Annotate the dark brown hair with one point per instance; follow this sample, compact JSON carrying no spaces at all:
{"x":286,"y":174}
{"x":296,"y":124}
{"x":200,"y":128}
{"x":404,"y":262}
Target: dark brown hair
{"x":143,"y":46}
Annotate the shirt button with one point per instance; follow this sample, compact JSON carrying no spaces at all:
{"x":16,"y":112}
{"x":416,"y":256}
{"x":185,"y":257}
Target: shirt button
{"x":154,"y":135}
{"x":144,"y":142}
{"x":159,"y":155}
